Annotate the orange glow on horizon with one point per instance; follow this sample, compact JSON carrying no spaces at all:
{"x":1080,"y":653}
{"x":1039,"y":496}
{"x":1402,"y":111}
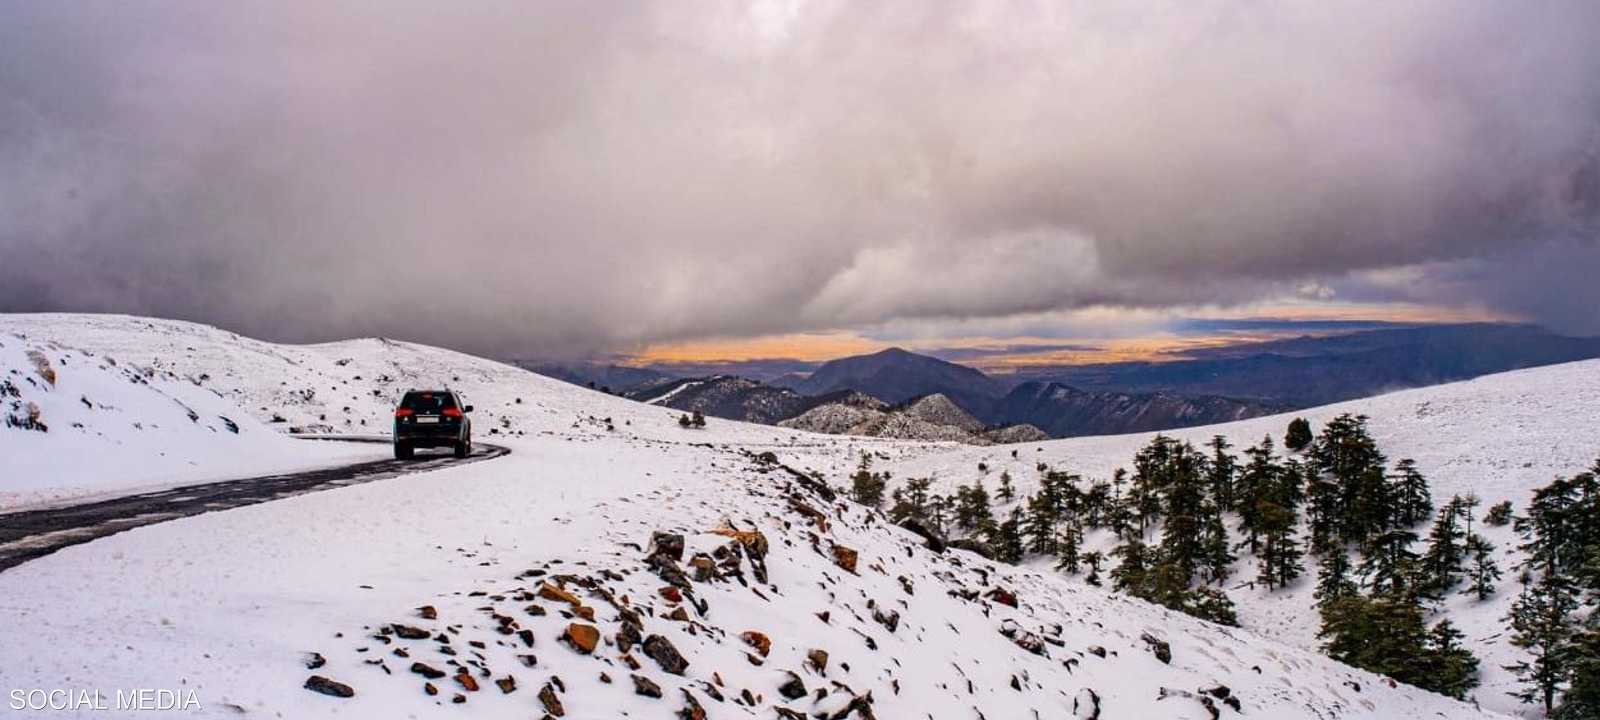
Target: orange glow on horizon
{"x":1154,"y":347}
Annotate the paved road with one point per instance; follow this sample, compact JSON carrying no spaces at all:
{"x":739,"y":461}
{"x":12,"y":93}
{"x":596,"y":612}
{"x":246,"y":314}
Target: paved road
{"x":35,"y":533}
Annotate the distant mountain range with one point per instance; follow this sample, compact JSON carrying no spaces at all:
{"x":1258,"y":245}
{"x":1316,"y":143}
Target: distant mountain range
{"x":614,"y":379}
{"x":1066,"y":411}
{"x":728,"y":396}
{"x":880,"y":393}
{"x":896,"y":376}
{"x":1308,"y":371}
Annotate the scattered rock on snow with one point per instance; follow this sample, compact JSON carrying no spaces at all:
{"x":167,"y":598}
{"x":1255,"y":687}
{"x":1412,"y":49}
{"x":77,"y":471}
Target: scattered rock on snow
{"x":646,"y":687}
{"x":583,"y":638}
{"x":661,"y":650}
{"x":845,"y":558}
{"x":320,"y":684}
{"x":1158,"y":647}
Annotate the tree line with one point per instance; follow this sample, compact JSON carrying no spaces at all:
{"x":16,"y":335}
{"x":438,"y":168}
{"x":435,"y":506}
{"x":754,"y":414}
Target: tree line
{"x":1183,"y":516}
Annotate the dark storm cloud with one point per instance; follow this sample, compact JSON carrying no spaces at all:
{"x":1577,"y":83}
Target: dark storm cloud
{"x":530,"y":178}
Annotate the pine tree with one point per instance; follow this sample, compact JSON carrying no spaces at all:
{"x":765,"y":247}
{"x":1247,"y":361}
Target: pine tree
{"x":1007,"y":491}
{"x":1449,"y":668}
{"x":1039,"y":524}
{"x":1208,"y":603}
{"x":1348,"y":455}
{"x":1389,"y":566}
{"x":1120,"y":511}
{"x":1068,"y":545}
{"x":1581,"y":701}
{"x":1413,"y":503}
{"x":1333,"y":579}
{"x":940,"y":510}
{"x":1150,"y":471}
{"x":972,"y":506}
{"x":1222,"y":470}
{"x":911,"y":501}
{"x":1299,"y":435}
{"x":1499,"y":514}
{"x":866,"y":487}
{"x":1280,"y":557}
{"x":1254,"y":488}
{"x":1542,"y":624}
{"x":1216,"y":552}
{"x":1133,"y":564}
{"x":1093,"y":559}
{"x":1184,"y":507}
{"x":1006,"y":539}
{"x":1386,"y":634}
{"x":1482,"y":572}
{"x":1444,"y":561}
{"x":1323,"y":513}
{"x":1553,"y":529}
{"x":1097,"y":505}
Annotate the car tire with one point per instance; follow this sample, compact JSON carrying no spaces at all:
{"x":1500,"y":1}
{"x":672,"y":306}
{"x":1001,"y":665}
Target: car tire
{"x":402,"y":451}
{"x":463,"y":448}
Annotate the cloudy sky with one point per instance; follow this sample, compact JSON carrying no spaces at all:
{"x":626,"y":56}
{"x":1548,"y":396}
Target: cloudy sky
{"x":554,"y":178}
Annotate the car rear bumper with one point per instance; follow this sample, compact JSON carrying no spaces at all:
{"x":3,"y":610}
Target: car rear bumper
{"x":441,"y":435}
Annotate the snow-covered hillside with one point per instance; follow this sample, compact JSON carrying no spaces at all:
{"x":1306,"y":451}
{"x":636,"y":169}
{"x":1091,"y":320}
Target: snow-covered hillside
{"x":930,"y":417}
{"x":232,"y":605}
{"x":78,"y":423}
{"x":118,"y":416}
{"x":1497,"y":436}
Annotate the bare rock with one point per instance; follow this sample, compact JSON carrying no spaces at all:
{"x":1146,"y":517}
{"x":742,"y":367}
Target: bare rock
{"x":550,"y":701}
{"x":427,"y":671}
{"x":408,"y":632}
{"x":793,"y":688}
{"x":845,"y":558}
{"x":757,"y":640}
{"x":320,"y":684}
{"x":583,"y":638}
{"x":818,"y":659}
{"x":646,"y":687}
{"x":1158,"y":647}
{"x":668,"y":544}
{"x":662,"y":651}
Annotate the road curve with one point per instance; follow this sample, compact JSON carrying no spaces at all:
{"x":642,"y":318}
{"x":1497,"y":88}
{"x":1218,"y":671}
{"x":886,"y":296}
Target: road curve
{"x":29,"y":534}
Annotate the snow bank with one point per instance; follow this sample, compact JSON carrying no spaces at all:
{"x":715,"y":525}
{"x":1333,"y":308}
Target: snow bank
{"x":79,"y":423}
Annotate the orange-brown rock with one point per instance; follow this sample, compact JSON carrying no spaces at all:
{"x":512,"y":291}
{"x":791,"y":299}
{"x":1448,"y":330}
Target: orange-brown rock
{"x":845,"y":558}
{"x":551,"y":592}
{"x":583,"y":638}
{"x":753,"y":541}
{"x":551,"y":703}
{"x":757,"y":640}
{"x":819,"y":659}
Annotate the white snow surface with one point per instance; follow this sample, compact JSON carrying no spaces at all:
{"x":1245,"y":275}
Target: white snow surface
{"x":227,"y":604}
{"x":108,"y":426}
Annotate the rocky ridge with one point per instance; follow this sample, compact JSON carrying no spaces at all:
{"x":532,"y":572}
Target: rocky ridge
{"x":932,"y":417}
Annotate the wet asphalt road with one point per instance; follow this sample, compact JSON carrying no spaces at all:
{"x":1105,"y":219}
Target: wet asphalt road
{"x":34,"y":533}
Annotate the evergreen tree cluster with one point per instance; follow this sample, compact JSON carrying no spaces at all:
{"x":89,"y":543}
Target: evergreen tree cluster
{"x":1554,"y":619}
{"x":1335,"y":501}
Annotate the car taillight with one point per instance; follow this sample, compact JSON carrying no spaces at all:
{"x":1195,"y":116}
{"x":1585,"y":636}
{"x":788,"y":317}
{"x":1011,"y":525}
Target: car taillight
{"x":404,"y":412}
{"x":452,"y":412}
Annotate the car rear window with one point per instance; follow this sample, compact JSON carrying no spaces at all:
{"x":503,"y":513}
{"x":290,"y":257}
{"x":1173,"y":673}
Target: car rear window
{"x":427,"y":402}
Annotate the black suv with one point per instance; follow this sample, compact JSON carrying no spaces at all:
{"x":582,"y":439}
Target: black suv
{"x":432,"y":418}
